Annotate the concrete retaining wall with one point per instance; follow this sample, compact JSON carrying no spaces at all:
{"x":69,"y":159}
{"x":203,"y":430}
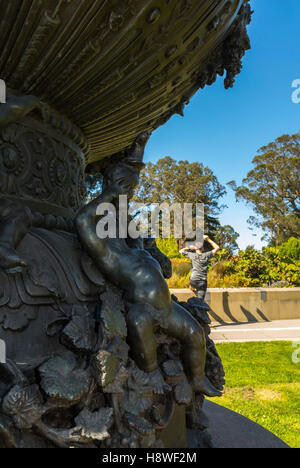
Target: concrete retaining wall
{"x":249,"y":304}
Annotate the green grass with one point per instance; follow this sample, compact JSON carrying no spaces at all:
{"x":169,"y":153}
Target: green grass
{"x":263,"y":384}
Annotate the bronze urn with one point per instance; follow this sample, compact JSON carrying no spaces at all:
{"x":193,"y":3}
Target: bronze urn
{"x":83,"y":79}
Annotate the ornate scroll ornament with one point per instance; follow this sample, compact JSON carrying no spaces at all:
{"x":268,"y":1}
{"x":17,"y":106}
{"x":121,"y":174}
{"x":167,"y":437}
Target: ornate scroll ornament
{"x":42,"y":157}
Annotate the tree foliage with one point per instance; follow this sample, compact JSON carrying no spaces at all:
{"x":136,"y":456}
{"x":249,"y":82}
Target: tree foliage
{"x":226,"y":237}
{"x":184,"y":182}
{"x":273,"y":189}
{"x":93,"y":186}
{"x":180,"y":182}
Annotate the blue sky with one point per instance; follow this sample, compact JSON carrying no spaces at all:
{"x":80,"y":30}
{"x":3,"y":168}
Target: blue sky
{"x":224,"y":129}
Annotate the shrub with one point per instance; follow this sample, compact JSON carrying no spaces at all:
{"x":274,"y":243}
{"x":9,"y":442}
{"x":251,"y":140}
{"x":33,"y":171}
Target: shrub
{"x":273,"y":267}
{"x":181,"y":268}
{"x":181,"y":274}
{"x":179,"y":282}
{"x":169,"y":247}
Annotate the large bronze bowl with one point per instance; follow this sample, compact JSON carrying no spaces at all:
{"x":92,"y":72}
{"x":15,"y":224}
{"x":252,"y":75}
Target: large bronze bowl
{"x":118,"y":67}
{"x":95,"y":74}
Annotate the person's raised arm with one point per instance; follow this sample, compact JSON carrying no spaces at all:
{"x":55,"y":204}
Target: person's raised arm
{"x":215,"y":246}
{"x":184,"y":251}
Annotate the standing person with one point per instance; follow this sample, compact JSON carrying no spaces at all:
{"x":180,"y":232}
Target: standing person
{"x":200,"y":261}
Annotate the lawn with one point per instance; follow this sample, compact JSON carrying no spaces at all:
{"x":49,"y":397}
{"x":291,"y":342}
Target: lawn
{"x":263,"y":384}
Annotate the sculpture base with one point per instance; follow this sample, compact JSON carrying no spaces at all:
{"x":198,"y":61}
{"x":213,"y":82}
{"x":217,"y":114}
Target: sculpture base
{"x":231,"y":430}
{"x":175,"y":435}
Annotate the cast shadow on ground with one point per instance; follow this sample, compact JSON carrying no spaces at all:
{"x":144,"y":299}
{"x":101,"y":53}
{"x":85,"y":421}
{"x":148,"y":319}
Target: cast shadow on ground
{"x":249,"y":317}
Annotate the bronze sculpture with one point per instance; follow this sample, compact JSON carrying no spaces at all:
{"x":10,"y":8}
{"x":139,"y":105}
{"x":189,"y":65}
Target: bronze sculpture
{"x":140,"y":276}
{"x":83,"y":82}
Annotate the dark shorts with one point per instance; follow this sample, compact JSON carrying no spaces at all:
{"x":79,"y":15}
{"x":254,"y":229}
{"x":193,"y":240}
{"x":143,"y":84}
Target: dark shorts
{"x":200,"y":287}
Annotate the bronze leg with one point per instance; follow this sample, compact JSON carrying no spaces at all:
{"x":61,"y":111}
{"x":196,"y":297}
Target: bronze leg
{"x":181,"y":325}
{"x":141,"y":338}
{"x":187,"y":330}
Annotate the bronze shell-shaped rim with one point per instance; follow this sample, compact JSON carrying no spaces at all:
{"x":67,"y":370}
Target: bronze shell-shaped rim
{"x":114,"y":68}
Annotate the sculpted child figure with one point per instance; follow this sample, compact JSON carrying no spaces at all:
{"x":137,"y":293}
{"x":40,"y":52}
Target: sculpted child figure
{"x":131,"y":268}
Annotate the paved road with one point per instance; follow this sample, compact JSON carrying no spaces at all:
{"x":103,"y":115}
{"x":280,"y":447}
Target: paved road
{"x":282,"y":330}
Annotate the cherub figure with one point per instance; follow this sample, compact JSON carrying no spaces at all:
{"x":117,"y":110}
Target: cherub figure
{"x":131,"y":268}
